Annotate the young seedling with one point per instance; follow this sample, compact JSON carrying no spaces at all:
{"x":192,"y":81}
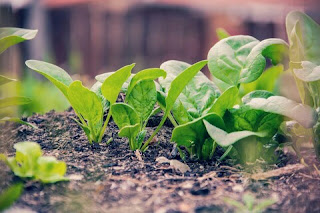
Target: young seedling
{"x":196,"y":102}
{"x":250,"y":204}
{"x":29,"y":163}
{"x":8,"y":38}
{"x":304,"y":38}
{"x":89,"y":105}
{"x":141,"y":96}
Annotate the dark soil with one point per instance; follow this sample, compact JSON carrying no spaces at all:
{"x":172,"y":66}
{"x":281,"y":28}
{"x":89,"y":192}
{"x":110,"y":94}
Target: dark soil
{"x":111,"y":178}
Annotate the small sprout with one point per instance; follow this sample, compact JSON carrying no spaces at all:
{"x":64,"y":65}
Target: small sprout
{"x":29,"y":163}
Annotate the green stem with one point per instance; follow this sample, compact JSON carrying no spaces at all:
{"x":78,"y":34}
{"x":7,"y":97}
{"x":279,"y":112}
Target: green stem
{"x":104,"y":126}
{"x":173,"y":121}
{"x":145,"y":145}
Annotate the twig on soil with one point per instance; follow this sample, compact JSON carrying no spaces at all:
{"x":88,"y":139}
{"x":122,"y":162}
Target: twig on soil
{"x":287,"y":170}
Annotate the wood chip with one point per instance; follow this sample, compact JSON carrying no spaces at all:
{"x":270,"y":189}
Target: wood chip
{"x":287,"y":170}
{"x":175,"y":164}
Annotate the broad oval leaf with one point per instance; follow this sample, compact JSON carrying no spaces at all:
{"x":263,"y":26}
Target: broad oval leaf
{"x":242,"y":59}
{"x":10,"y":36}
{"x":91,"y":109}
{"x":194,"y":132}
{"x":310,"y":72}
{"x":225,"y":139}
{"x":197,"y":96}
{"x":4,"y":80}
{"x":124,"y":115}
{"x":14,"y":101}
{"x":112,"y":85}
{"x":303,"y":114}
{"x":147,"y":74}
{"x":53,"y":73}
{"x":142,"y":98}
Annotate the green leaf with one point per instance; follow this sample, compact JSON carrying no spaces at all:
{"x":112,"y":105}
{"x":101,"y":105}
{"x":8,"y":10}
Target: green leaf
{"x":17,"y":120}
{"x":50,"y":170}
{"x":24,"y":163}
{"x":53,"y":73}
{"x":303,"y":34}
{"x":197,"y":96}
{"x":142,"y":98}
{"x":10,"y":195}
{"x":96,"y":88}
{"x":225,"y":139}
{"x":14,"y":101}
{"x":303,"y":114}
{"x":10,"y":36}
{"x":226,"y":101}
{"x":4,"y":80}
{"x":124,"y":115}
{"x":147,"y":74}
{"x":244,"y":118}
{"x":242,"y":59}
{"x":222,"y":33}
{"x":310,"y":72}
{"x":256,"y":94}
{"x":131,"y":132}
{"x":193,"y":134}
{"x":269,"y":81}
{"x":176,"y":87}
{"x":112,"y":85}
{"x":91,"y":109}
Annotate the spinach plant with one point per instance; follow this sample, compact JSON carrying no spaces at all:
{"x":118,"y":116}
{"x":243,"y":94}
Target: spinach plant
{"x":141,"y":97}
{"x":198,"y":101}
{"x":8,"y":38}
{"x":132,"y":115}
{"x":304,"y":38}
{"x":29,"y":163}
{"x":89,"y":105}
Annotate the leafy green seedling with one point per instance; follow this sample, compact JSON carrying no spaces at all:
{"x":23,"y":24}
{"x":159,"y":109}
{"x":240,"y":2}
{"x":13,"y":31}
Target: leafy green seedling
{"x":200,"y":99}
{"x":177,"y":85}
{"x":9,"y":37}
{"x":29,"y":163}
{"x":89,"y":105}
{"x":10,"y":195}
{"x":250,"y":204}
{"x":251,"y":126}
{"x":133,"y":115}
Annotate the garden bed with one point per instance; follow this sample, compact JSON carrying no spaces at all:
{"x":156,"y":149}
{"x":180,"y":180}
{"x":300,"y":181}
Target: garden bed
{"x":112,"y":178}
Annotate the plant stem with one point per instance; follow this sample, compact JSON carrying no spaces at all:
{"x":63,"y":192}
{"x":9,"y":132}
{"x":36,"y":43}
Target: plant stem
{"x":145,"y":145}
{"x":173,"y":121}
{"x":104,"y":126}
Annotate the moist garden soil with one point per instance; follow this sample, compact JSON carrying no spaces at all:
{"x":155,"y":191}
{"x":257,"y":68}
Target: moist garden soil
{"x":112,"y":178}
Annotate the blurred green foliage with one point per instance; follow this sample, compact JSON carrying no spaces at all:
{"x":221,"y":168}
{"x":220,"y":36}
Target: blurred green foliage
{"x":44,"y":95}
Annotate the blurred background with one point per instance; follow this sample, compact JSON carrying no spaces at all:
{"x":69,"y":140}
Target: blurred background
{"x":90,"y":37}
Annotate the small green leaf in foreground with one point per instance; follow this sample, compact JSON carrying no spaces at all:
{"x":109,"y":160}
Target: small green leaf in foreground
{"x":10,"y":195}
